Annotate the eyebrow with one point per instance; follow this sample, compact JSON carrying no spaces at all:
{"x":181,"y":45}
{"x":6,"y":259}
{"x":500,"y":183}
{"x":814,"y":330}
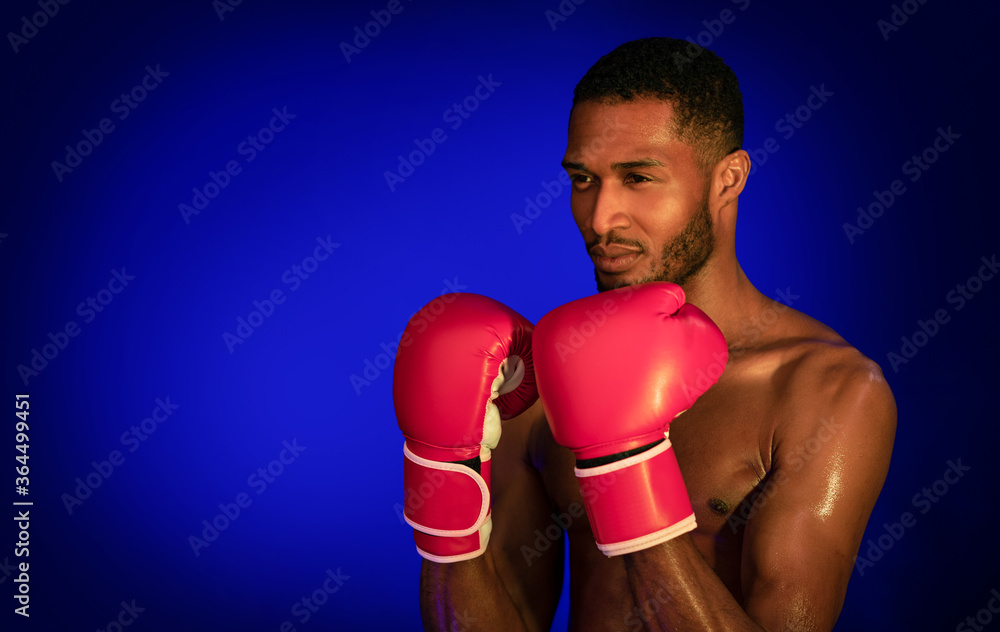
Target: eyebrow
{"x":618,"y":166}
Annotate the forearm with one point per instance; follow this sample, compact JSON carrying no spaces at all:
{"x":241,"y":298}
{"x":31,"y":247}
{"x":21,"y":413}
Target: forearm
{"x":466,"y":596}
{"x":675,"y":589}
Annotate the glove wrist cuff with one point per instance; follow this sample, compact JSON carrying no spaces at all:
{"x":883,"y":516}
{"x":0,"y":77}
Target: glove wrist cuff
{"x":449,"y":550}
{"x":444,"y":499}
{"x":638,"y":502}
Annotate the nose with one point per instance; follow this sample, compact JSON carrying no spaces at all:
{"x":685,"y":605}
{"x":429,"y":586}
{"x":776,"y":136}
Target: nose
{"x":607,"y":212}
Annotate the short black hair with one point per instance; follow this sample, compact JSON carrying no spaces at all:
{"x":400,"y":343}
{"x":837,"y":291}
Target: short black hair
{"x":704,"y":91}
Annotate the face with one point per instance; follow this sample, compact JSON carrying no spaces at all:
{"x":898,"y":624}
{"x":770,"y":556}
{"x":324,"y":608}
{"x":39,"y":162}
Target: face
{"x":639,"y":197}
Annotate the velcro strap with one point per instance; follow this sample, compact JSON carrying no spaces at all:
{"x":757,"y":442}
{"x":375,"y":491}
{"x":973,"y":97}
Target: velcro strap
{"x":444,"y":499}
{"x":449,"y":550}
{"x":638,"y":502}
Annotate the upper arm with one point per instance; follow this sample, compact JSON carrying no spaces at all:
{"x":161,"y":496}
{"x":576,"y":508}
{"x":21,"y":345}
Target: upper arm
{"x":829,"y":462}
{"x":521,"y":510}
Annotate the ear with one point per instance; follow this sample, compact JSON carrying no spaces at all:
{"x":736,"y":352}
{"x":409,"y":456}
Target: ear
{"x":728,"y":179}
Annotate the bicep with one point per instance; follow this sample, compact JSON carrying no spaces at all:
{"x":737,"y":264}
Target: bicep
{"x":811,"y":512}
{"x":521,"y":510}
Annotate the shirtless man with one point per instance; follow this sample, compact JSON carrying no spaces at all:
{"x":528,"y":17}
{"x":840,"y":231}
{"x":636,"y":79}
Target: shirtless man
{"x":782,"y":459}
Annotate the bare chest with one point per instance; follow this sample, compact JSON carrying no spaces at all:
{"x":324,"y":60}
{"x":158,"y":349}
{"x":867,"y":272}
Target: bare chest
{"x":722,"y":445}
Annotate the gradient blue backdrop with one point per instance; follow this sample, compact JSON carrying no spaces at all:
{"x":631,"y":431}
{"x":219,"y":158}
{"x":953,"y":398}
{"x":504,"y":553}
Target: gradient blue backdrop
{"x":334,"y":505}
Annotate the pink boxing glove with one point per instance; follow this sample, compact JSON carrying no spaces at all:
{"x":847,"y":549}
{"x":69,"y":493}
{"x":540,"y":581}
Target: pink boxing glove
{"x":613,"y":370}
{"x":464,"y":363}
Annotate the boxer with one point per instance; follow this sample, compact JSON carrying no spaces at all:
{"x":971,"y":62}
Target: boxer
{"x":710,"y":455}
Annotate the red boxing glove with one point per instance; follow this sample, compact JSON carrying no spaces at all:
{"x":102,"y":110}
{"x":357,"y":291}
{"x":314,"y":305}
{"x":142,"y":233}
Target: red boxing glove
{"x":613,"y":370}
{"x":464,"y":363}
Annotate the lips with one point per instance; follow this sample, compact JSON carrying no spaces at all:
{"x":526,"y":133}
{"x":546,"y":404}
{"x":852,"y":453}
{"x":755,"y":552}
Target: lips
{"x":612,"y":250}
{"x":614,"y":259}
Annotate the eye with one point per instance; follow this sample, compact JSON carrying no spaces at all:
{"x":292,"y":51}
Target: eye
{"x":580,"y":178}
{"x":635,"y":177}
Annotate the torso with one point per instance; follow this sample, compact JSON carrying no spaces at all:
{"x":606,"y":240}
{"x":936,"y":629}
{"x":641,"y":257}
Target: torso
{"x":723,"y":446}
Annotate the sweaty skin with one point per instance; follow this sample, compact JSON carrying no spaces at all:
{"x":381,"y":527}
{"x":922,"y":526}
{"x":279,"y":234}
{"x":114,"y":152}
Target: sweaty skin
{"x":783,"y":458}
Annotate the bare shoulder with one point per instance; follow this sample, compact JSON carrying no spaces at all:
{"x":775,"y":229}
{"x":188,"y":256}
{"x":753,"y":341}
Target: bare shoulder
{"x":824,"y":366}
{"x":822,"y":377}
{"x":834,"y":421}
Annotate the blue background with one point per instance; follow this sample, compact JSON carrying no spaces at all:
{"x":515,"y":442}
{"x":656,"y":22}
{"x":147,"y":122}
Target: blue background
{"x":334,"y":506}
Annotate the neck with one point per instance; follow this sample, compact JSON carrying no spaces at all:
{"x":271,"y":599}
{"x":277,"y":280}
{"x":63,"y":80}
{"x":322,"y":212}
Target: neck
{"x":722,"y":290}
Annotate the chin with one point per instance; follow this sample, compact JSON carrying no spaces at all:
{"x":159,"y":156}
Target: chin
{"x":617,"y":281}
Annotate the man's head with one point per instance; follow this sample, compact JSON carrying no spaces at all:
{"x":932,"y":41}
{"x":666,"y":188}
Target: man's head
{"x":654,"y":154}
